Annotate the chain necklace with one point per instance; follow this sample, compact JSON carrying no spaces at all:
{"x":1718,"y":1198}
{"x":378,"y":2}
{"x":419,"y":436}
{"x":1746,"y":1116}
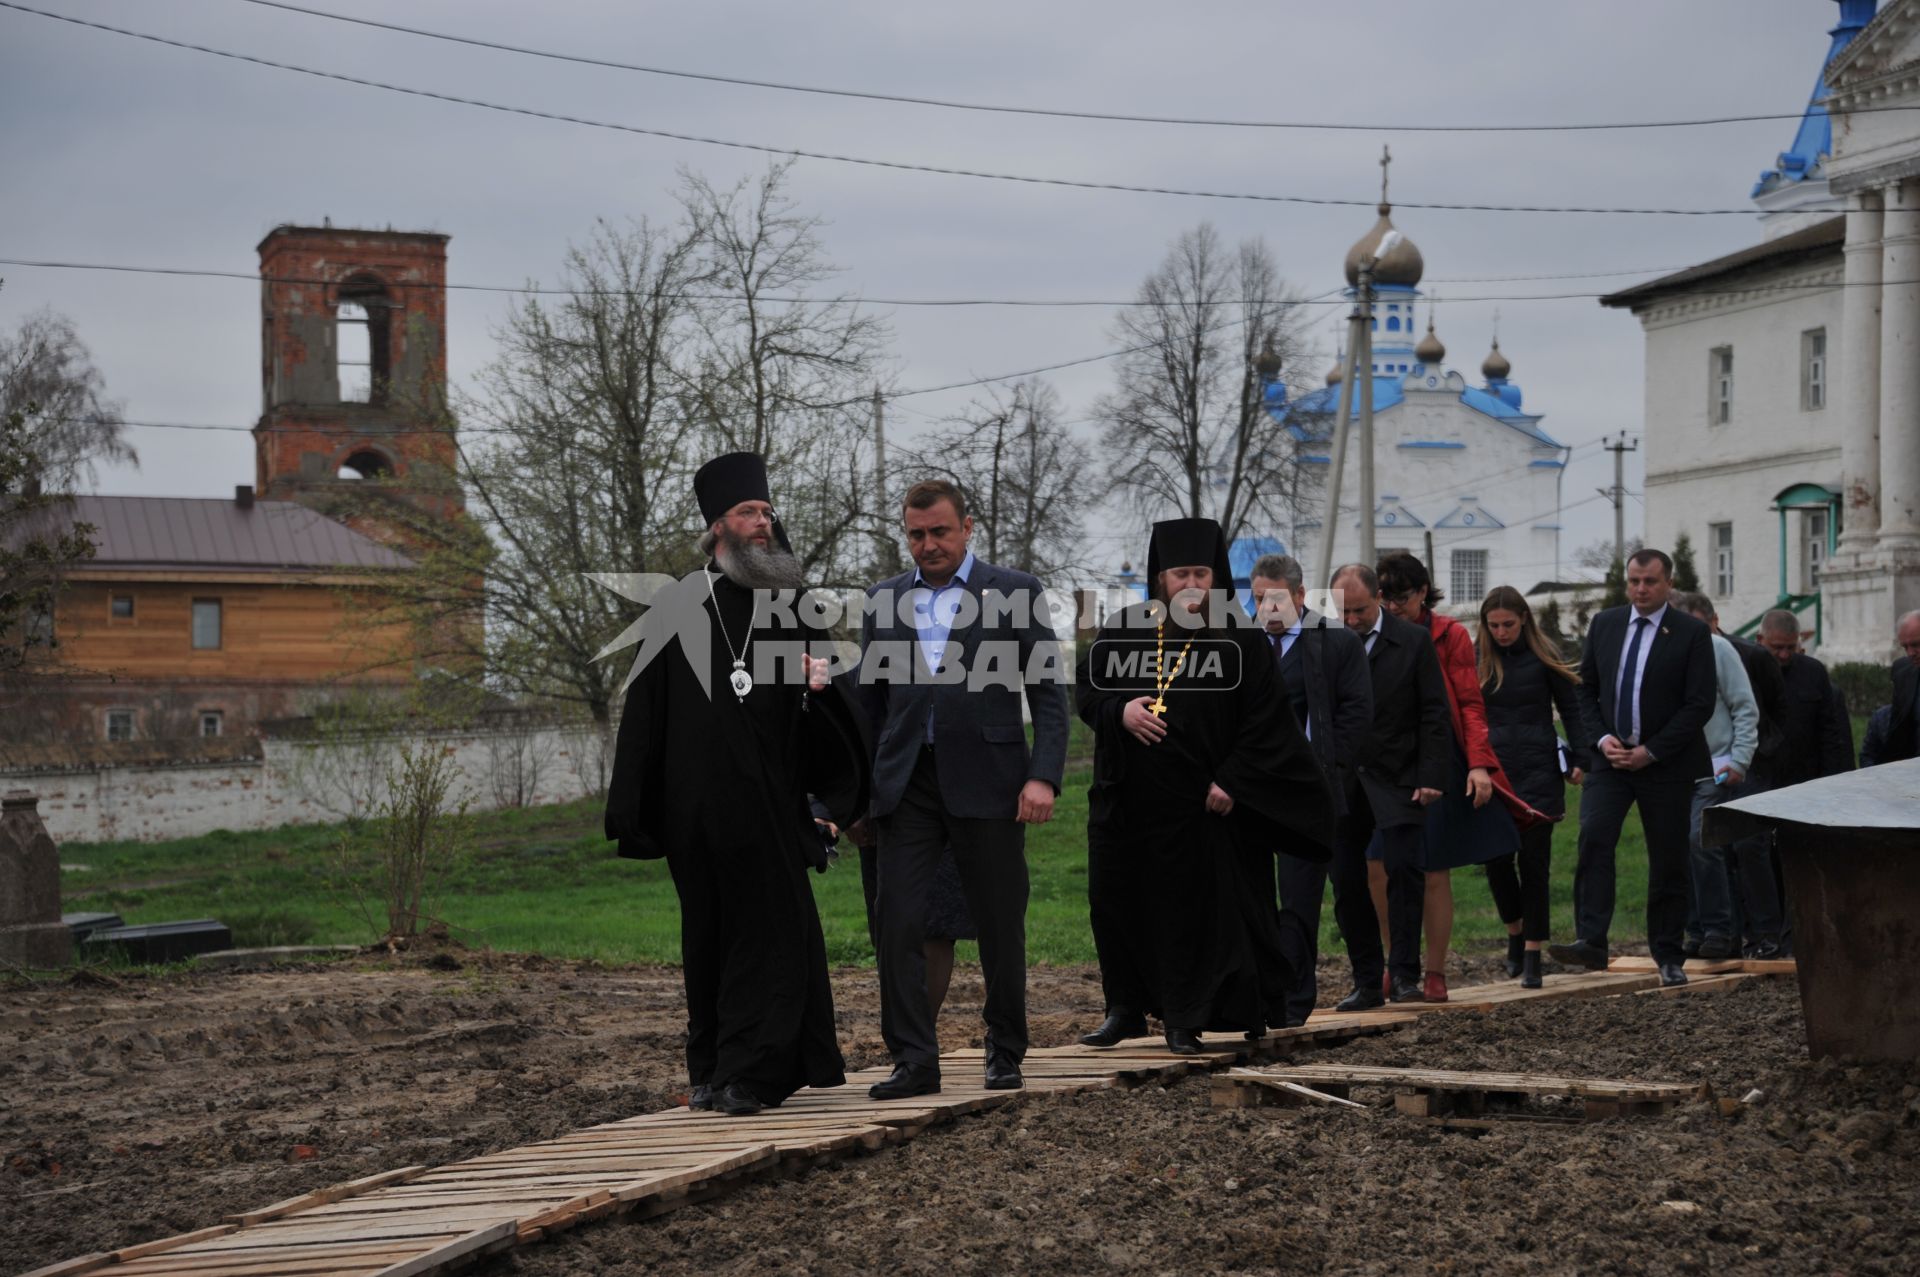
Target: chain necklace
{"x":1160,"y":687}
{"x":739,"y":680}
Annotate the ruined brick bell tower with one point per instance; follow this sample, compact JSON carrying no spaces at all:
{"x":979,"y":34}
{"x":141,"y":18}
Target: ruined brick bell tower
{"x":354,"y":370}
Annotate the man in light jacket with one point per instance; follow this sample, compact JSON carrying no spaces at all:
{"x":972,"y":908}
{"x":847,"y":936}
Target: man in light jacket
{"x":1733,"y":733}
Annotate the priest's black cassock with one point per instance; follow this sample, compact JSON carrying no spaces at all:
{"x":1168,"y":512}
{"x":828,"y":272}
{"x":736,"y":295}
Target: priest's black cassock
{"x":1184,"y":912}
{"x":718,"y":784}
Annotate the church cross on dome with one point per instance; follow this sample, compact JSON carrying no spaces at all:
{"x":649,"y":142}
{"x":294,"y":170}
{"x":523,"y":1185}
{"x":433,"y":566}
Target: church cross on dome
{"x":1386,"y":158}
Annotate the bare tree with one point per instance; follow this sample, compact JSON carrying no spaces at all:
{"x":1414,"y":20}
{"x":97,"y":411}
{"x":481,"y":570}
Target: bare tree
{"x":39,"y":541}
{"x":47,"y":377}
{"x":1188,"y":430}
{"x":783,"y":373}
{"x":671,"y":346}
{"x":1024,"y":475}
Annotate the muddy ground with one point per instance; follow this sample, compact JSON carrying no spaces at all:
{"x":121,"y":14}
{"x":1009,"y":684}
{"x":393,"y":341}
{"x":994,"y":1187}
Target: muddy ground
{"x":157,"y":1104}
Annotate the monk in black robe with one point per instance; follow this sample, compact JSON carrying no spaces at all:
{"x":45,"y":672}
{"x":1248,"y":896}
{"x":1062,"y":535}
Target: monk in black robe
{"x":729,"y":725}
{"x":1200,"y":774}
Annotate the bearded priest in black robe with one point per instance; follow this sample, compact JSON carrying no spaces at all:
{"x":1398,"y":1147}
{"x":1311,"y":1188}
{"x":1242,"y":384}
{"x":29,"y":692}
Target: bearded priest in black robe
{"x":730,"y":725}
{"x":1200,"y":774}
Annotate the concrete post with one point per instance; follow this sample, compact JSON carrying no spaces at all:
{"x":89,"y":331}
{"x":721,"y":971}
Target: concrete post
{"x":1900,"y":372}
{"x":1860,"y":377}
{"x":31,"y":933}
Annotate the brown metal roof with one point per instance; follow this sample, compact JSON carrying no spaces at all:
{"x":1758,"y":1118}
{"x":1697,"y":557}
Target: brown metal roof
{"x":1810,"y":241}
{"x":216,"y":533}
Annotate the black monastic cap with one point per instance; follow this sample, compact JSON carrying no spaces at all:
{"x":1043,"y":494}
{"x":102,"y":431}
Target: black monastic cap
{"x":1183,"y":542}
{"x":726,"y":481}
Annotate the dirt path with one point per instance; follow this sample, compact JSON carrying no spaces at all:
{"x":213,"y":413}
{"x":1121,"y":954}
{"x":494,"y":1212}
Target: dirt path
{"x":157,"y":1106}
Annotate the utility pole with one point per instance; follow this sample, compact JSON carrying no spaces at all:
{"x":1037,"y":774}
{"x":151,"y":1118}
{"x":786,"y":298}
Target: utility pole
{"x":1619,"y":447}
{"x":888,"y":544}
{"x":1330,"y":522}
{"x":1364,"y":366}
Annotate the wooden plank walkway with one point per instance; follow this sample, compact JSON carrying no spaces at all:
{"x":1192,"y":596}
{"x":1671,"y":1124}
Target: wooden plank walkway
{"x":418,"y":1220}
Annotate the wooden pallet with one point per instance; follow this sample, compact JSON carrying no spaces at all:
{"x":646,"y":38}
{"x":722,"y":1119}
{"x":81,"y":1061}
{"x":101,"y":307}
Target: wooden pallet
{"x":1446,"y":1093}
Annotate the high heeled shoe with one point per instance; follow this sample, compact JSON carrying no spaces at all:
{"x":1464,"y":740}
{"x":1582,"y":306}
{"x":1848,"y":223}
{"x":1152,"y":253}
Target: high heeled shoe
{"x":1530,"y":969}
{"x":1515,"y":948}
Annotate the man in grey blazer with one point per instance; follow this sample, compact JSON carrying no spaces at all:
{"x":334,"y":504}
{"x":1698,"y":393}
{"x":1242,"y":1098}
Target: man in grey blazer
{"x":1323,"y":670}
{"x":946,"y":652}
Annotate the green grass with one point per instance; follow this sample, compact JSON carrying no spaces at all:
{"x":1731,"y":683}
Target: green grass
{"x":545,"y":881}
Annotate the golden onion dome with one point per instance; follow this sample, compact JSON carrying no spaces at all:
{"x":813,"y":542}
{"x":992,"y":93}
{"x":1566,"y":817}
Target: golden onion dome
{"x":1402,"y":264}
{"x":1496,"y":367}
{"x":1430,"y":351}
{"x":1337,"y":373}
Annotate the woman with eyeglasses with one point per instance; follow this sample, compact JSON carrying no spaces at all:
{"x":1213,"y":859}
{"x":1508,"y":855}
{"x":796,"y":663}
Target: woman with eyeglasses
{"x":1524,"y":679}
{"x":1467,"y":826}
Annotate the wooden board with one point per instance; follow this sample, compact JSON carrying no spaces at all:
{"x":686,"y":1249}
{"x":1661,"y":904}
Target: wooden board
{"x":1444,"y":1092}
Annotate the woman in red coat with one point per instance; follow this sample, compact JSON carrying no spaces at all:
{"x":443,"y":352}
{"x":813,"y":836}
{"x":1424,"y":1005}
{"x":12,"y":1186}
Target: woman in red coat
{"x":1467,"y":826}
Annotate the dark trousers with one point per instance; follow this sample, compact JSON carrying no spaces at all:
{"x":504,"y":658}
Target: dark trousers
{"x":1303,"y":885}
{"x":991,"y":858}
{"x":1400,"y":852}
{"x":1520,"y":890}
{"x":1666,"y":807}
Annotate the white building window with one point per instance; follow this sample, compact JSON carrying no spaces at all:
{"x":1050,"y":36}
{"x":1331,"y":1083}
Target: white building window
{"x":1813,"y":369}
{"x":1469,"y":572}
{"x":1720,"y":538}
{"x":210,"y":722}
{"x":206,"y":623}
{"x":1720,"y":380}
{"x":119,"y":724}
{"x":1815,"y":541}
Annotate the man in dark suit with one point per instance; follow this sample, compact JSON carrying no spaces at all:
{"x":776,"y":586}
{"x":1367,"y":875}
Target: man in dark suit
{"x":1647,"y":687}
{"x":946,"y":651}
{"x":1323,"y":672}
{"x":1401,"y":767}
{"x":1902,"y":739}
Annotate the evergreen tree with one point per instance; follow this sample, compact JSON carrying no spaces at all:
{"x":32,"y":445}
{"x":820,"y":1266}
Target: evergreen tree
{"x":1685,"y":575}
{"x":1550,"y":623}
{"x":1616,"y":593}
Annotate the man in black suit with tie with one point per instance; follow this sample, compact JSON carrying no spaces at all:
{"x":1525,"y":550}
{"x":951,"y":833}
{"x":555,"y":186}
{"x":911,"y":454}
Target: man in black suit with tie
{"x":1647,"y":686}
{"x":1402,"y":767}
{"x":1324,"y":674}
{"x":946,"y":651}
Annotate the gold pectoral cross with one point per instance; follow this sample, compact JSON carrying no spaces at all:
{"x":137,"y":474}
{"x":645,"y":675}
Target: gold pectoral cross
{"x":1158,"y":708}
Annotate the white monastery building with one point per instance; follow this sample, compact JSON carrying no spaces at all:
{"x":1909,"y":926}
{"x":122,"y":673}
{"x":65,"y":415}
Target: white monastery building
{"x":1782,"y":426}
{"x":1459,"y":466}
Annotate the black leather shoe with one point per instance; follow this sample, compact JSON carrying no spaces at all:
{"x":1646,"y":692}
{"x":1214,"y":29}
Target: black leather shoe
{"x":702,"y":1098}
{"x":1672,"y":973}
{"x":1116,"y":1028}
{"x":1716,"y":949}
{"x":735,"y":1100}
{"x":1183,"y":1042}
{"x":1690,"y":947}
{"x":1530,"y":969}
{"x":1003,"y":1071}
{"x":1581,"y":953}
{"x":1363,"y":998}
{"x":908,"y":1080}
{"x":1516,"y":949}
{"x":1407,"y":991}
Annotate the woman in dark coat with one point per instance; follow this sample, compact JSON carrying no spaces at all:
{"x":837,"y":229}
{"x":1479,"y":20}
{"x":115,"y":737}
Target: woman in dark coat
{"x":1523,"y":679}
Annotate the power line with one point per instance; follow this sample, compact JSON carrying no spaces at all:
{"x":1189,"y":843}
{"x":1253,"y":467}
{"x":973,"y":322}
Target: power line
{"x":901,"y":165}
{"x":1051,"y":112}
{"x":1331,"y":297}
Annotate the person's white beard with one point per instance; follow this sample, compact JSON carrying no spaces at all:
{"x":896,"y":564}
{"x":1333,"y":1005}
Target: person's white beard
{"x":754,"y":566}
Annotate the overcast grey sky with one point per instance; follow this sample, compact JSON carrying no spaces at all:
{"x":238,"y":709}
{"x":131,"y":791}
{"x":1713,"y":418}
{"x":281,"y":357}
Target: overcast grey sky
{"x":117,"y":150}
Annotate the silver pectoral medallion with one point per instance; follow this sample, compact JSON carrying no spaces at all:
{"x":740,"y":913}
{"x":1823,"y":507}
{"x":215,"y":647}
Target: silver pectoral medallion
{"x":741,"y":681}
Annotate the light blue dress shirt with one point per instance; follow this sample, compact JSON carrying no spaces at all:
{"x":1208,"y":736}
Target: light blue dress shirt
{"x":933,"y":611}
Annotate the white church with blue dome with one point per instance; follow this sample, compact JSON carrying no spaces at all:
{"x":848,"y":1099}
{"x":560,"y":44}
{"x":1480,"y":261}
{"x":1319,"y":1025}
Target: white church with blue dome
{"x":1465,"y":464}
